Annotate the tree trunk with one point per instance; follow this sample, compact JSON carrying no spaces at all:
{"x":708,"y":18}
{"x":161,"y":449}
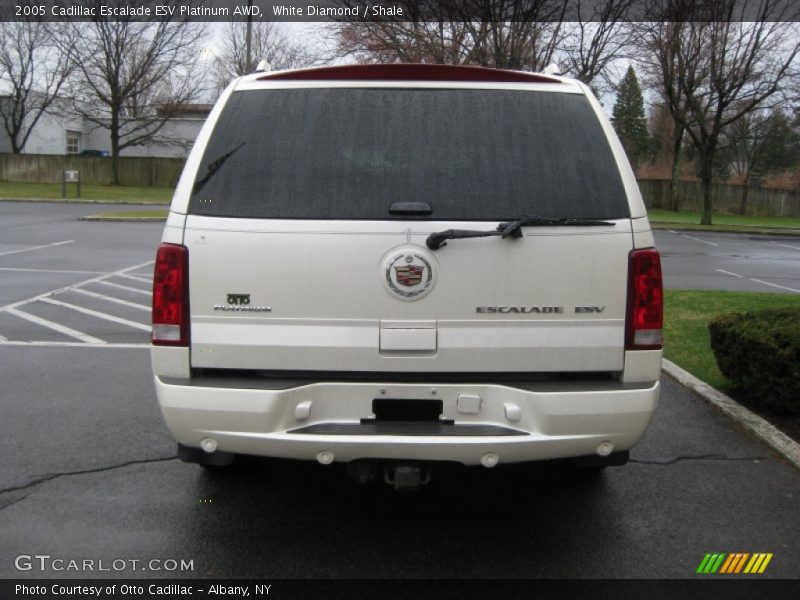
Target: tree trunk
{"x":706,"y":179}
{"x":16,"y":147}
{"x":744,"y":193}
{"x":674,"y":200}
{"x":115,"y":148}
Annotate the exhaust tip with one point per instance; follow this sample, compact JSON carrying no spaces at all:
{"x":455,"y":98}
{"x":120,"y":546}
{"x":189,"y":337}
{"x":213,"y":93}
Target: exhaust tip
{"x":605,"y":449}
{"x":325,"y":457}
{"x":489,"y":460}
{"x":208,"y":445}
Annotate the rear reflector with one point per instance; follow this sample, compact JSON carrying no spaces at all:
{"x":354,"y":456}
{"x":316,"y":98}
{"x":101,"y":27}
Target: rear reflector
{"x":645,"y":318}
{"x":171,"y":296}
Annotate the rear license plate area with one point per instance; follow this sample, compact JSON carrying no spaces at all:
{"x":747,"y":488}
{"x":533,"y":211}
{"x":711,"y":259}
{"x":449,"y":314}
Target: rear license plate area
{"x":391,"y":409}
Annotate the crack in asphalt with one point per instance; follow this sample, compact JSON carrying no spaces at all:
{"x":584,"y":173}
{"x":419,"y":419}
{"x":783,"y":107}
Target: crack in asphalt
{"x":53,"y":476}
{"x":13,"y":502}
{"x":678,"y":459}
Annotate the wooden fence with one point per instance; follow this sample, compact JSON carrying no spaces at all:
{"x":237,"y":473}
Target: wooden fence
{"x":158,"y":171}
{"x":49,"y":168}
{"x":725,"y":198}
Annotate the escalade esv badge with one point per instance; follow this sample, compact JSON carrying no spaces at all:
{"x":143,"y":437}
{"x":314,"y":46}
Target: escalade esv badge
{"x":408,"y":273}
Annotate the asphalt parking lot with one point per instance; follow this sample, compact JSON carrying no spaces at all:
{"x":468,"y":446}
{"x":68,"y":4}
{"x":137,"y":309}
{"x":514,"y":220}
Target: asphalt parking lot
{"x":730,"y":261}
{"x":89,"y":470}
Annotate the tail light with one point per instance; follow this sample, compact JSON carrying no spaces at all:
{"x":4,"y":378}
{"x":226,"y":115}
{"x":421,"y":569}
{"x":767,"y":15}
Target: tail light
{"x":645,"y":318}
{"x":171,"y":296}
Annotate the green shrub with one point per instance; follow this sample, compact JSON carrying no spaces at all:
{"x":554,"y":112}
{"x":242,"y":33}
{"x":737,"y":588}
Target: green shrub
{"x":759,"y":352}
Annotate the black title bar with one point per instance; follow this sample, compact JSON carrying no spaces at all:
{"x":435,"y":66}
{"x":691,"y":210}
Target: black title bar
{"x":703,"y":587}
{"x":401,"y":10}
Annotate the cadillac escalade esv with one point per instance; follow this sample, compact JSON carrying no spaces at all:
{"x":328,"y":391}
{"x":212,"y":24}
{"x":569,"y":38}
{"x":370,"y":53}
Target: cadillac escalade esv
{"x":393,"y":265}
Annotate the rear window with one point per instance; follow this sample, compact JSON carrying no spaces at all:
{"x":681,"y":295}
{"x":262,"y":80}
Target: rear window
{"x":352,"y":153}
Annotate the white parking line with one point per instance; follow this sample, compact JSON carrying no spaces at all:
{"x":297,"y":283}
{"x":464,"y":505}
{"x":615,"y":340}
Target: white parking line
{"x":124,"y":287}
{"x":37,"y":247}
{"x":775,"y":285}
{"x":71,"y":344}
{"x":729,"y":273}
{"x":110,"y":299}
{"x":786,"y":245}
{"x":95,"y":313}
{"x":52,"y":271}
{"x":135,"y":278}
{"x":699,"y":240}
{"x":98,"y":279}
{"x":88,"y":339}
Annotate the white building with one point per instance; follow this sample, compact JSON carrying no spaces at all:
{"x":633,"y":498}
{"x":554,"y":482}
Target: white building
{"x":58,"y":132}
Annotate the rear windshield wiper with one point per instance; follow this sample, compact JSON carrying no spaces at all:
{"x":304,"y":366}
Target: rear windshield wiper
{"x":508,"y":229}
{"x":213,"y":167}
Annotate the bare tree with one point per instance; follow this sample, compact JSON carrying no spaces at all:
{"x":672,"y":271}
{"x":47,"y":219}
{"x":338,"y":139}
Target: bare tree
{"x":269,"y":41}
{"x":409,"y":42}
{"x":598,"y":38}
{"x":427,"y":35}
{"x":725,"y":68}
{"x":511,"y":34}
{"x":673,"y":73}
{"x":33,"y":70}
{"x":132,"y":76}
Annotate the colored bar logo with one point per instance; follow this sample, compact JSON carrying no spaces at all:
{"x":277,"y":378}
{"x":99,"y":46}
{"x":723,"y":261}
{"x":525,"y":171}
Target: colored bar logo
{"x":734,"y":563}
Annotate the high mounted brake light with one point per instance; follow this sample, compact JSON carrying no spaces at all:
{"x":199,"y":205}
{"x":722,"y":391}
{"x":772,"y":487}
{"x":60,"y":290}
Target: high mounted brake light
{"x":645,"y":318}
{"x":171,"y":296}
{"x":410,"y":72}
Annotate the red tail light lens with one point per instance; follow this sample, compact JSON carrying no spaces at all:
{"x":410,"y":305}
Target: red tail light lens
{"x":645,"y":319}
{"x":171,"y":296}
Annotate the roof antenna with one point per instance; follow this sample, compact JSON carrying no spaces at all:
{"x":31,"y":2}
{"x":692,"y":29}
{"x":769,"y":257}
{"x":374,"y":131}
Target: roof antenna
{"x":552,"y":69}
{"x":263,"y":67}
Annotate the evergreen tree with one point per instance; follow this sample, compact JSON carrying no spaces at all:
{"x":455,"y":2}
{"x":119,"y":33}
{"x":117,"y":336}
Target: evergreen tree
{"x":629,"y":119}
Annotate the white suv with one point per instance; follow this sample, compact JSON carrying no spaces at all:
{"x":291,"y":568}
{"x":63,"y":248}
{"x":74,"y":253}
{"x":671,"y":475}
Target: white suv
{"x":399,"y":264}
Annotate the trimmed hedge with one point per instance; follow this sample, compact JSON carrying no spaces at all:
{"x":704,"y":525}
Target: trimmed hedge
{"x":759,"y":352}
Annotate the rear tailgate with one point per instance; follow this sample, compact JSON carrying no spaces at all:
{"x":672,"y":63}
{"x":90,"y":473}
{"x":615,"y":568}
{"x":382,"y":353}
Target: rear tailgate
{"x":313,"y":295}
{"x":302,"y":258}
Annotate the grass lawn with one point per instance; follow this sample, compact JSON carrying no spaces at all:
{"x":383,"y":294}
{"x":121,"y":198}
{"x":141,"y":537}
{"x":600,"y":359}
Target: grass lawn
{"x":89,"y":192}
{"x":721,"y":222}
{"x":686,"y":317}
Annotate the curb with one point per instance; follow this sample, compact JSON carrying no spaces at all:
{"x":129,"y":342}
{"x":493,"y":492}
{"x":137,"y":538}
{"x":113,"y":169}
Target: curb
{"x":123,"y":219}
{"x":760,"y":428}
{"x":788,"y":232}
{"x":85,"y":201}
